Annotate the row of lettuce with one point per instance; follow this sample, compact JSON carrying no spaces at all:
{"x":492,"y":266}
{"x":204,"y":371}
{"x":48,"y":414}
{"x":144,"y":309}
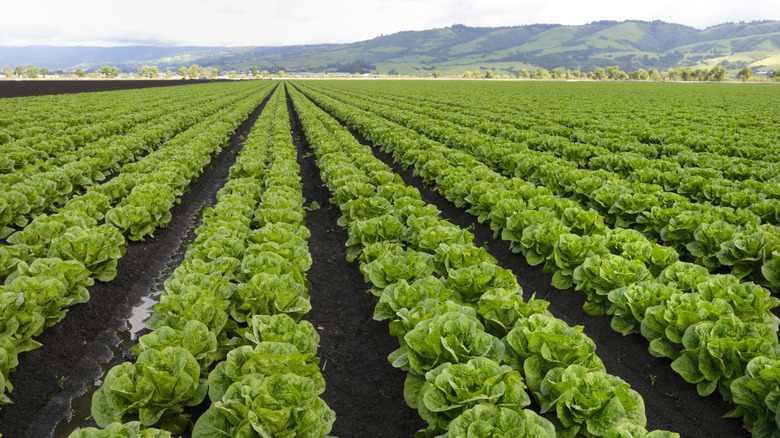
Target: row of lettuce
{"x":43,"y":176}
{"x":743,"y":241}
{"x":227,"y":326}
{"x":472,"y":347}
{"x":71,"y":121}
{"x":722,"y":125}
{"x":46,"y":267}
{"x":724,"y":181}
{"x":718,"y":331}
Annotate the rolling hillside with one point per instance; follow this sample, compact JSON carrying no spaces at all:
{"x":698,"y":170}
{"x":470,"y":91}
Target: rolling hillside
{"x":630,"y":45}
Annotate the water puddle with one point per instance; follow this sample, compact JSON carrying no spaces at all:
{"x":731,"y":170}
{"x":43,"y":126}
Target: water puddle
{"x":125,"y":335}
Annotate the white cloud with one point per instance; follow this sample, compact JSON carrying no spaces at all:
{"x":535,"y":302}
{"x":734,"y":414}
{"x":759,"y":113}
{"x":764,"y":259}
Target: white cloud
{"x":253,"y":22}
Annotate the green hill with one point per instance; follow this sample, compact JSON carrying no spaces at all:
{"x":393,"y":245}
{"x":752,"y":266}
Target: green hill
{"x":629,"y":44}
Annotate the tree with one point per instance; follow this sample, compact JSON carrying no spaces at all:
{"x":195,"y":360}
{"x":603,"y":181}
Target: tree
{"x":80,"y":73}
{"x":214,"y":72}
{"x":467,"y":74}
{"x":489,"y":74}
{"x":700,"y":74}
{"x":7,"y":71}
{"x":599,"y":74}
{"x":19,"y":71}
{"x":183,"y":72}
{"x":44,"y":71}
{"x":280,"y":73}
{"x":193,"y":72}
{"x":108,"y":72}
{"x":558,"y":73}
{"x":614,"y":73}
{"x":745,"y":74}
{"x":523,"y":74}
{"x":686,"y":73}
{"x":151,"y":72}
{"x":232,"y":74}
{"x":264,"y":73}
{"x":653,"y":74}
{"x":436,"y":74}
{"x":168,"y":73}
{"x":32,"y":71}
{"x":639,"y":75}
{"x":253,"y":69}
{"x":717,"y":73}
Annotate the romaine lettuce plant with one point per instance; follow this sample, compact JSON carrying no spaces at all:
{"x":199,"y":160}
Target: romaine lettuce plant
{"x":130,"y":429}
{"x":543,"y":342}
{"x":99,"y":249}
{"x":154,"y":390}
{"x":586,"y":402}
{"x":489,"y":420}
{"x":501,"y":309}
{"x":450,"y":389}
{"x":269,"y":294}
{"x":600,"y":274}
{"x":451,"y":337}
{"x":569,"y":252}
{"x":390,"y":268}
{"x":273,"y":406}
{"x":281,"y":328}
{"x":757,"y":396}
{"x":195,"y":337}
{"x":449,"y":257}
{"x":402,"y":295}
{"x":473,"y":281}
{"x":264,"y":359}
{"x":629,"y":304}
{"x":716,"y":353}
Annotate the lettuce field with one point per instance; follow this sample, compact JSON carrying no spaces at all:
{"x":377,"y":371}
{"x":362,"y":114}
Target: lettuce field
{"x":453,"y":259}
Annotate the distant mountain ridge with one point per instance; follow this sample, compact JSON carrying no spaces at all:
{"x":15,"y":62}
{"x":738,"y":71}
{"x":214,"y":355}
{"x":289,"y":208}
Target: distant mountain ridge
{"x":628,"y":44}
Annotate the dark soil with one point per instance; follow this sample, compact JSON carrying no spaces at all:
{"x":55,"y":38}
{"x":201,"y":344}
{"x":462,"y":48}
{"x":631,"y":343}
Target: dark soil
{"x":361,"y":386}
{"x":38,"y":87}
{"x":53,"y":384}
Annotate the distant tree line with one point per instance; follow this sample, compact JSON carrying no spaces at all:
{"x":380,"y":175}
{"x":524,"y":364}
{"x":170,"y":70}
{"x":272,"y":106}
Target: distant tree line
{"x":613,"y":73}
{"x":31,"y":71}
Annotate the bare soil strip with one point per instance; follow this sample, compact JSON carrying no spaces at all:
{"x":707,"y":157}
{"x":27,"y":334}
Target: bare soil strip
{"x":41,"y":87}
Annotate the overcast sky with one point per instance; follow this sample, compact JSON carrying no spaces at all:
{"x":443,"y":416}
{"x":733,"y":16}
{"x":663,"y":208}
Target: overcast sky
{"x":286,"y":22}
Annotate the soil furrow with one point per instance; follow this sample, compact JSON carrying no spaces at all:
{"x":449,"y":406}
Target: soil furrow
{"x":364,"y":390}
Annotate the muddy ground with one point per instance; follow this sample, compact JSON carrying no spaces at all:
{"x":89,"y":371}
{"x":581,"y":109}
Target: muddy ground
{"x":53,"y":384}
